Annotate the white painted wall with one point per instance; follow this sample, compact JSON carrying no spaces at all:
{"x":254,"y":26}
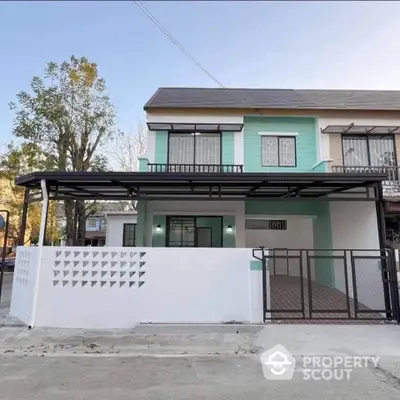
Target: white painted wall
{"x":197,"y":208}
{"x":115,"y":222}
{"x":238,"y":148}
{"x":151,"y":146}
{"x":86,"y":287}
{"x":354,"y":226}
{"x":299,"y":235}
{"x":26,"y":263}
{"x":322,"y":141}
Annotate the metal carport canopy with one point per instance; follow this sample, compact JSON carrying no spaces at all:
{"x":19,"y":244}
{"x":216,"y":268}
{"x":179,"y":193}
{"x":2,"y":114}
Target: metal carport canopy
{"x":203,"y":186}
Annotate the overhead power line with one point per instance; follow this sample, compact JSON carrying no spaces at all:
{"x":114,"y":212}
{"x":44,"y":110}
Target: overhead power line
{"x":149,"y":15}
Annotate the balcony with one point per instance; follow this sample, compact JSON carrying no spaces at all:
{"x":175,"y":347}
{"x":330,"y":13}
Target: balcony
{"x":201,"y":168}
{"x":391,"y":186}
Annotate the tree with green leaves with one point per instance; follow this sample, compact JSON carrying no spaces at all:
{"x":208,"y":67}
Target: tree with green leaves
{"x":20,"y":160}
{"x":69,"y":115}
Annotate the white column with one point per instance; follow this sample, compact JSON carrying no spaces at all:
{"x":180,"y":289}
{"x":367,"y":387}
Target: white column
{"x":45,"y":207}
{"x":42,"y":232}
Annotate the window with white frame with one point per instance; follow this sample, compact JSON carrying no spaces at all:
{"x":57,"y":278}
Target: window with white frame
{"x":92,"y":224}
{"x":194,"y":148}
{"x":278,"y":151}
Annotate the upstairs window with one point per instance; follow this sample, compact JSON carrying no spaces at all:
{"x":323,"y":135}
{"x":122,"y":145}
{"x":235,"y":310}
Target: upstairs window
{"x":194,"y":148}
{"x":370,"y":151}
{"x":278,"y":151}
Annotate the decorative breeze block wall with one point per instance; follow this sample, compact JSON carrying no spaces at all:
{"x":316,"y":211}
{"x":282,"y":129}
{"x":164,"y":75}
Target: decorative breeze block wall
{"x":21,"y":271}
{"x":99,"y":269}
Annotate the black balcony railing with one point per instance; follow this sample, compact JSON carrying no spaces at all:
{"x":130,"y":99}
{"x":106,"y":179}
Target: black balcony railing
{"x":362,"y":170}
{"x":392,"y":173}
{"x":205,"y":168}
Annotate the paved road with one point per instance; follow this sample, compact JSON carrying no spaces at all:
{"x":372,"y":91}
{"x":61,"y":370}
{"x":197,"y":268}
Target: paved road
{"x":214,"y":377}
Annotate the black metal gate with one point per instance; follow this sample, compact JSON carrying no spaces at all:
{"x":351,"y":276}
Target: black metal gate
{"x":332,"y":284}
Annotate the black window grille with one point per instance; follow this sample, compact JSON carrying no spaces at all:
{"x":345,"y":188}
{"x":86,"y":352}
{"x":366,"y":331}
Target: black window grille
{"x":129,"y":235}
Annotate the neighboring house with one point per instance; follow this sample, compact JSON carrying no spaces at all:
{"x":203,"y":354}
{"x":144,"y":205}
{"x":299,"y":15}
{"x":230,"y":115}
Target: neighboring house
{"x":121,"y":228}
{"x":252,"y":205}
{"x":96,"y":223}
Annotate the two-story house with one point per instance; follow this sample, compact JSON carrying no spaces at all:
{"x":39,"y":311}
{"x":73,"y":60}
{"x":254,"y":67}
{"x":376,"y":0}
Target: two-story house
{"x":242,"y":131}
{"x":252,"y":204}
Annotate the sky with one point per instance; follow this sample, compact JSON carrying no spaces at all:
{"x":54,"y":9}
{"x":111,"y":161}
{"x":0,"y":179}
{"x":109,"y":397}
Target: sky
{"x":302,"y":45}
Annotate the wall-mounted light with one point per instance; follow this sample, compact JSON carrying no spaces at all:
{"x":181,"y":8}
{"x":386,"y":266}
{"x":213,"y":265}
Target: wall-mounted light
{"x":158,"y":228}
{"x":229,"y":229}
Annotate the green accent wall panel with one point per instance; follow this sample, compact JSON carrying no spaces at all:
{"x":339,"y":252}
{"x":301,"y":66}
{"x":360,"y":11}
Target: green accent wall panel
{"x":141,"y":207}
{"x":216,"y":229}
{"x":281,"y":207}
{"x":227,"y":148}
{"x":159,"y":237}
{"x":256,"y":265}
{"x":143,"y":164}
{"x":161,"y":147}
{"x":229,"y":238}
{"x":306,"y":143}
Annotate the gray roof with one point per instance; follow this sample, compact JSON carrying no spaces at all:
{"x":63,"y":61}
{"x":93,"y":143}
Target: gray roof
{"x":275,"y":98}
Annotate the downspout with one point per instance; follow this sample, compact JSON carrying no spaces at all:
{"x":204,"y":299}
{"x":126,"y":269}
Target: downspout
{"x":42,"y":232}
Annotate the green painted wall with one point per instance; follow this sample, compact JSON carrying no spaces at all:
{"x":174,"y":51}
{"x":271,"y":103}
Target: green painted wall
{"x":229,"y":238}
{"x":255,"y":265}
{"x":161,"y":147}
{"x":216,"y":229}
{"x":141,"y":207}
{"x":306,"y":144}
{"x":321,"y":167}
{"x":159,"y":237}
{"x":227,"y":148}
{"x":143,"y":164}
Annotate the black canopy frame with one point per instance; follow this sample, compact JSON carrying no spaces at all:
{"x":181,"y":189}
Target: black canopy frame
{"x":172,"y":186}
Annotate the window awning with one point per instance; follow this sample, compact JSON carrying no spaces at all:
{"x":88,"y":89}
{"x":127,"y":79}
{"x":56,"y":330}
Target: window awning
{"x":167,"y":186}
{"x":188,"y":127}
{"x":362,"y":129}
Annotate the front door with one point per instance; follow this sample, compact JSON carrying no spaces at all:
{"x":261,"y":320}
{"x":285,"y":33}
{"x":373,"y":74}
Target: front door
{"x":203,"y":237}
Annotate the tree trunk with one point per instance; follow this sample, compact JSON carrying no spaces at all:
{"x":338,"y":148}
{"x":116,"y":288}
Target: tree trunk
{"x":81,"y":222}
{"x":69,"y":208}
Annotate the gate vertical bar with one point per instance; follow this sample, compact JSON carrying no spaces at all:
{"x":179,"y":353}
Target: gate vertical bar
{"x":382,"y":244}
{"x":394,"y":285}
{"x":303,"y":308}
{"x":309,"y":284}
{"x":346,"y":283}
{"x":354,"y":279}
{"x":264,"y":282}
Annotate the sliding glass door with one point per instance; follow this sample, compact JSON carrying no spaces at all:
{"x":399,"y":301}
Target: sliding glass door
{"x":194,"y":231}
